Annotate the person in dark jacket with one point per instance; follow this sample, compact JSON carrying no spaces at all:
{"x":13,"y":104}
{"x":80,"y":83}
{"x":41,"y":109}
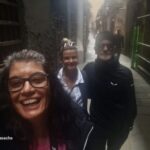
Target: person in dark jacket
{"x":35,"y":111}
{"x":111,"y":89}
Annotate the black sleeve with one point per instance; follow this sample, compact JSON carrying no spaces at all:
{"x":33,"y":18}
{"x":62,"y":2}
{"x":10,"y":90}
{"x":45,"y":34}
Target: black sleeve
{"x":87,"y":69}
{"x":132,"y":107}
{"x":84,"y":90}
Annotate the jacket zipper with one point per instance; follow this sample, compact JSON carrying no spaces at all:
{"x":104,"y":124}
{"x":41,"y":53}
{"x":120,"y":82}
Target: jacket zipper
{"x":87,"y":137}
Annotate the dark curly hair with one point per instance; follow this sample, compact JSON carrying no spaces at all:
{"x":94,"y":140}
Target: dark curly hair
{"x":62,"y":118}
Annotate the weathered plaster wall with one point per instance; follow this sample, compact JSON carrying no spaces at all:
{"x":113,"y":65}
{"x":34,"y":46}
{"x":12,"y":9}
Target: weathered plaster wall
{"x":38,"y":25}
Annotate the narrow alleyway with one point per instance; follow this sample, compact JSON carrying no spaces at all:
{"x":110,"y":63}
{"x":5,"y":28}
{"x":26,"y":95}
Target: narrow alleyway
{"x":139,"y":137}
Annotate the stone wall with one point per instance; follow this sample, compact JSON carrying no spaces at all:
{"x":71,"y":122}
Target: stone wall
{"x":39,"y":28}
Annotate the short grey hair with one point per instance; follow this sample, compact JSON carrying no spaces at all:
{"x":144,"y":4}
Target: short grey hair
{"x":24,"y":55}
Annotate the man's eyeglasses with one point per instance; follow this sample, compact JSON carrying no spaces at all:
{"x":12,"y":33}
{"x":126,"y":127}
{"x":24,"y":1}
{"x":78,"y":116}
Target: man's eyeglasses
{"x":109,"y":46}
{"x":37,"y":80}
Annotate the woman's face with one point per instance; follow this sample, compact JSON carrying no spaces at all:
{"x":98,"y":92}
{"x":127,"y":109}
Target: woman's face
{"x":28,"y":97}
{"x":70,"y":59}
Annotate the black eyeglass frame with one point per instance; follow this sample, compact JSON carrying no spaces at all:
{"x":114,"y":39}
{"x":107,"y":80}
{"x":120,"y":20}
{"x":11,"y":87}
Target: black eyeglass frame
{"x":109,"y":46}
{"x":29,"y":79}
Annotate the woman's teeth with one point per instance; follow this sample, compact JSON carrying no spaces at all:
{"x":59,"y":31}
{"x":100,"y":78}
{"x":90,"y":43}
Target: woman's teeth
{"x":30,"y":101}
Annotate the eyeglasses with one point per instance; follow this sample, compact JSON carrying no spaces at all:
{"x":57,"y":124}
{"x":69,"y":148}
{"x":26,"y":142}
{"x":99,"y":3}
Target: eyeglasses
{"x":36,"y":80}
{"x":109,"y":46}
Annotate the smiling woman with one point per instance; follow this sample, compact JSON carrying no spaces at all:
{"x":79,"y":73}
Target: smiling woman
{"x":72,"y":79}
{"x":28,"y":88}
{"x":34,"y":109}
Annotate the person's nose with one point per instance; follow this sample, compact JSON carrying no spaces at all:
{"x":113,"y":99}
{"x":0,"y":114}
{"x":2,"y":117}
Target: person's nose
{"x":71,"y":60}
{"x":105,"y":48}
{"x":27,"y":88}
